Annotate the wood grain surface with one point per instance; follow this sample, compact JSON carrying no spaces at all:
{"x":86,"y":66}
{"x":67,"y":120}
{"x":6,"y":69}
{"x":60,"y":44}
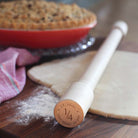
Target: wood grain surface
{"x":94,"y":126}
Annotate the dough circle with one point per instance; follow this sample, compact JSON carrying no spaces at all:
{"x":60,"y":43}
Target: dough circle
{"x":116,"y":94}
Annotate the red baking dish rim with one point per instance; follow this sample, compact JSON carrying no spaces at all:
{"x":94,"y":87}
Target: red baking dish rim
{"x":43,"y":39}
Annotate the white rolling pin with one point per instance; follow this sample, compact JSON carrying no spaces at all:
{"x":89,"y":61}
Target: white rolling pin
{"x":73,"y":106}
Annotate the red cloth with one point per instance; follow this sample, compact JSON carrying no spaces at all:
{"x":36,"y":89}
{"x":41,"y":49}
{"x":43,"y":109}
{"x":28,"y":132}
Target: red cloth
{"x":12,"y":78}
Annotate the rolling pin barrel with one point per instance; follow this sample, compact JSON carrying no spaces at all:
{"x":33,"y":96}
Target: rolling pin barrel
{"x":73,"y":106}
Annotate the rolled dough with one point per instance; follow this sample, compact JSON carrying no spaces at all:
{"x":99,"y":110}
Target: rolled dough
{"x":116,"y":94}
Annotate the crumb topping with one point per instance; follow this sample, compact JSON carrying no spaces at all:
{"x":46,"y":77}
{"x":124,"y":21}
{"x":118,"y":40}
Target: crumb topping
{"x":39,"y":14}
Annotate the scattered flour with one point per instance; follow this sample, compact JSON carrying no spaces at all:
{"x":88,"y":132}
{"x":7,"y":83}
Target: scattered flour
{"x":41,"y":105}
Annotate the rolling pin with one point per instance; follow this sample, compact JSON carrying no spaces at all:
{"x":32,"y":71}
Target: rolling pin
{"x":70,"y":111}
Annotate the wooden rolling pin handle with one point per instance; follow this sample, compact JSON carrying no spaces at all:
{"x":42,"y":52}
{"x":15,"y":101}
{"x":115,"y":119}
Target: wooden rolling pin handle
{"x":73,"y":106}
{"x":122,"y":26}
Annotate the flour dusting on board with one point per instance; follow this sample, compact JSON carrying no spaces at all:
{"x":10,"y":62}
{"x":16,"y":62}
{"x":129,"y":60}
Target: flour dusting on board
{"x":38,"y":106}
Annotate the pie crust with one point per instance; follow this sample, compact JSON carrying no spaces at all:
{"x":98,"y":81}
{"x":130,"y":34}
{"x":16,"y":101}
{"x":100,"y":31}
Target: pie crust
{"x":42,"y":15}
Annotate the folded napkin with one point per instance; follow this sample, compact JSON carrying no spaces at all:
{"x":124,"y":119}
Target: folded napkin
{"x":12,"y":77}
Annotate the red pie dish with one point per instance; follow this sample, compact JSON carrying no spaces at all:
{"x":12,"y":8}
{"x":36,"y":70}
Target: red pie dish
{"x":43,"y":38}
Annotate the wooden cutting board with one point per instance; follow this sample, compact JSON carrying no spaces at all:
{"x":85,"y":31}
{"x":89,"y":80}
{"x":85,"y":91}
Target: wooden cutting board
{"x":93,"y":126}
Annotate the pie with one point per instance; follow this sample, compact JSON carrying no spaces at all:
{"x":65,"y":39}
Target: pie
{"x":42,"y":15}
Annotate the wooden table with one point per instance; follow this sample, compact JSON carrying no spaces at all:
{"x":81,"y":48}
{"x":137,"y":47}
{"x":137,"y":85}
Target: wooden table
{"x":94,"y":126}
